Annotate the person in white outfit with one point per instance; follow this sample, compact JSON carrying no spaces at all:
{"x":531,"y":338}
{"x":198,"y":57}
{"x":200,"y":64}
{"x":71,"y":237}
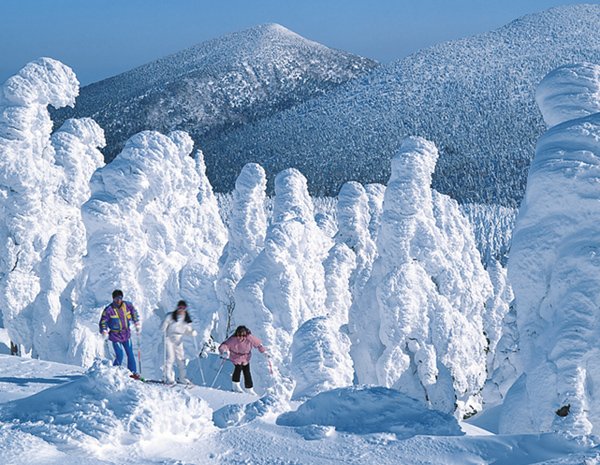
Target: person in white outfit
{"x":176,"y":325}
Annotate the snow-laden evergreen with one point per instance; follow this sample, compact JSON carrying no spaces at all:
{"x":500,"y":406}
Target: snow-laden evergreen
{"x":492,"y":226}
{"x":77,"y":152}
{"x":375,"y":193}
{"x":554,"y":265}
{"x":154,"y":232}
{"x":354,"y":218}
{"x":500,"y":331}
{"x":320,"y":358}
{"x":285,"y":285}
{"x":418,"y":326}
{"x":247,"y":227}
{"x":29,"y":204}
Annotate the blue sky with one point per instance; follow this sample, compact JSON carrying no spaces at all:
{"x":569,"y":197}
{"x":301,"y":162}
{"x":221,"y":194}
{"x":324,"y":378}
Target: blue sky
{"x":101,"y":38}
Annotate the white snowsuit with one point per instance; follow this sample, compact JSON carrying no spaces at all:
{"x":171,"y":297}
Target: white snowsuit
{"x":174,"y":331}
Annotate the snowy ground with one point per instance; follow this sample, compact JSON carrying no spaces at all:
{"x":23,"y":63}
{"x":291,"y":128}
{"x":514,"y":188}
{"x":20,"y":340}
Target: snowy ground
{"x":65,"y":416}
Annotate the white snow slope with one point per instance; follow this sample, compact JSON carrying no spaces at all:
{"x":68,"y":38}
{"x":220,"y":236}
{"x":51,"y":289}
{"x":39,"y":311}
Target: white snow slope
{"x":54,"y":414}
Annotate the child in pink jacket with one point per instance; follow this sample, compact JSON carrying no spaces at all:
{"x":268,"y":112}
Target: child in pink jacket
{"x":238,"y":349}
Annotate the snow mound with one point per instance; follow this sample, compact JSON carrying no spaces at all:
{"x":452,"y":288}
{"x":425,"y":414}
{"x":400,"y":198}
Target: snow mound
{"x":241,"y":414}
{"x":367,"y":410}
{"x":106,"y":409}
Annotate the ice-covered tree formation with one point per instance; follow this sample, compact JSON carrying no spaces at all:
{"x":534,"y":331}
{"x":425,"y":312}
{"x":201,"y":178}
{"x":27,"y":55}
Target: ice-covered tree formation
{"x":29,"y":181}
{"x":247,"y":227}
{"x":492,"y":226}
{"x":285,"y":285}
{"x":418,"y":325}
{"x":555,"y":266}
{"x":152,"y":232}
{"x":320,"y":358}
{"x":76,"y":146}
{"x":501,"y":334}
{"x":321,"y":348}
{"x":375,"y":193}
{"x":353,"y":230}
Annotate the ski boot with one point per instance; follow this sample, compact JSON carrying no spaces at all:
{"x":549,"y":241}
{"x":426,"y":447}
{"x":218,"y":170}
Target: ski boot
{"x":235,"y":387}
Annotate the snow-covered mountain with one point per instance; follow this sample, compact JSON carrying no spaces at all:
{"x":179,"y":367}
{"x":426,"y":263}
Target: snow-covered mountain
{"x":215,"y":86}
{"x":474,"y":98}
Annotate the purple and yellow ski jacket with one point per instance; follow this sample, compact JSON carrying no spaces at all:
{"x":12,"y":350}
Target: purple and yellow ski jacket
{"x":115,"y":319}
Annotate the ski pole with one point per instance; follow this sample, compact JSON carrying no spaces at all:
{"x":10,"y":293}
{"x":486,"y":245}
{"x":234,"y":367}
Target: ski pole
{"x":218,"y":372}
{"x":165,"y":357}
{"x":199,"y":361}
{"x":139,"y":344}
{"x":107,"y":350}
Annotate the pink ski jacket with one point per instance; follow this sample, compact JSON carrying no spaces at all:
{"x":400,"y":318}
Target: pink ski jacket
{"x":240,"y":349}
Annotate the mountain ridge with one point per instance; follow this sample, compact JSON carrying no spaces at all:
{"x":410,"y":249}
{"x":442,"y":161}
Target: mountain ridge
{"x":240,"y":77}
{"x":474,"y":97}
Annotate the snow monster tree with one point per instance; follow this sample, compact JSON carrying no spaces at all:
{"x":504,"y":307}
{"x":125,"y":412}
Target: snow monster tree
{"x":29,"y":182}
{"x":554,"y":264}
{"x":418,"y":326}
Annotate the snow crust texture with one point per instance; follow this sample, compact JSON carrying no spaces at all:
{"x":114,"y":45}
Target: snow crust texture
{"x":554,"y":265}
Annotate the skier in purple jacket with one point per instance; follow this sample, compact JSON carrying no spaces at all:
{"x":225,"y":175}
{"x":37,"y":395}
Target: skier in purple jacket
{"x":238,"y":349}
{"x":115,"y":324}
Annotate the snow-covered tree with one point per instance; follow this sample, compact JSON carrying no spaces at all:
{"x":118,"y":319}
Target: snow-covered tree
{"x":353,"y":230}
{"x":149,"y":235}
{"x":320,"y":358}
{"x":76,"y":146}
{"x":29,"y":181}
{"x":418,"y":324}
{"x":285,"y":285}
{"x":375,"y":193}
{"x":554,"y":264}
{"x":321,"y":347}
{"x":247,"y":228}
{"x":500,"y":332}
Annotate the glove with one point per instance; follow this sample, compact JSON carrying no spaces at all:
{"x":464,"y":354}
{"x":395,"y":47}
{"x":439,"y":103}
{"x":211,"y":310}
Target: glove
{"x":203,"y":354}
{"x":194,"y":333}
{"x":104,"y":334}
{"x":225,"y":355}
{"x":138,"y":327}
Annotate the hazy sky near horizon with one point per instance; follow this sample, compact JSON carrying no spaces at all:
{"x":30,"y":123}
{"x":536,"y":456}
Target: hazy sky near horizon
{"x":102,"y":38}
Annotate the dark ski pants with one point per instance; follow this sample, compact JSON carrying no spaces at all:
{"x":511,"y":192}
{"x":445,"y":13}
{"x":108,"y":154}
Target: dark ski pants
{"x":237,"y":371}
{"x":119,"y":347}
